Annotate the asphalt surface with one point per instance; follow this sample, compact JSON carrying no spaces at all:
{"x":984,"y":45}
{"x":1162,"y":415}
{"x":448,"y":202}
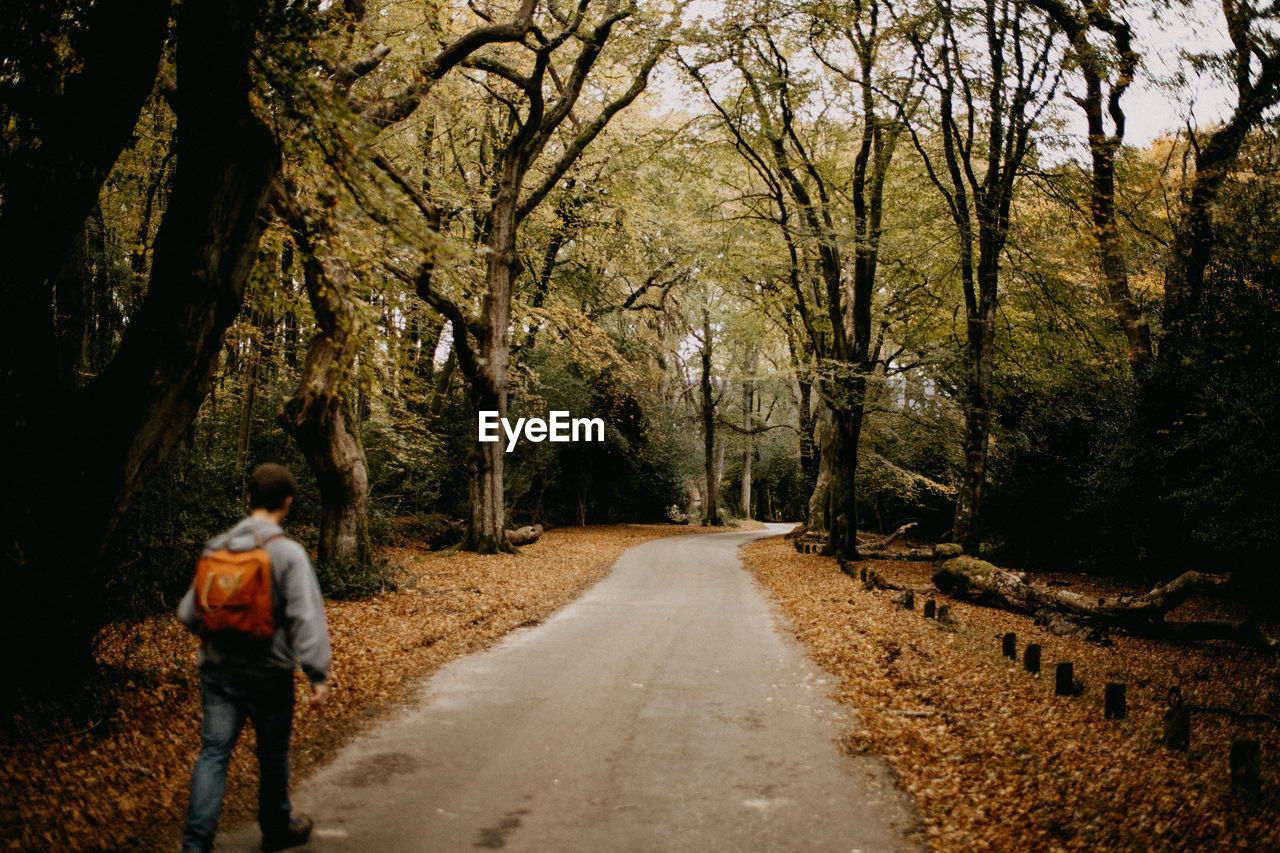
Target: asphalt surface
{"x":668,"y":709}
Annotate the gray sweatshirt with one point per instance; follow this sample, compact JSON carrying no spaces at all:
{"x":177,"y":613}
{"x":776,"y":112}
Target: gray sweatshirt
{"x":302,"y":636}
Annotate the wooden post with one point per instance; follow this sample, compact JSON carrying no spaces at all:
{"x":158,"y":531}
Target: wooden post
{"x":1177,"y":727}
{"x":1065,"y":682}
{"x":1177,"y":722}
{"x":930,"y":609}
{"x":1114,"y":702}
{"x":1031,"y":658}
{"x":1009,"y":647}
{"x":944,"y":615}
{"x":909,"y":599}
{"x":1246,"y":764}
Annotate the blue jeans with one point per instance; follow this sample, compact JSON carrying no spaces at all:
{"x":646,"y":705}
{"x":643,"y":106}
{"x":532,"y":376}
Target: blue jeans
{"x":230,"y":698}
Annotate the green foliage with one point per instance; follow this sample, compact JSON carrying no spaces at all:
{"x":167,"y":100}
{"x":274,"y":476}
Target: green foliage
{"x":354,"y":581}
{"x":633,"y":475}
{"x":1204,"y":429}
{"x":1175,"y":468}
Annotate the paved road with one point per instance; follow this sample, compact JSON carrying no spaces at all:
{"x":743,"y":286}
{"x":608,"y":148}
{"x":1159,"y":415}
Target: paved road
{"x":668,"y":709}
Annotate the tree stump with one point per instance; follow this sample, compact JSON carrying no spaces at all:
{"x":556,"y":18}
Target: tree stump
{"x":907,"y":599}
{"x":1114,"y":702}
{"x":1064,"y":680}
{"x":1009,"y":647}
{"x":944,"y":615}
{"x":1031,"y":659}
{"x":1246,"y":766}
{"x":930,"y":609}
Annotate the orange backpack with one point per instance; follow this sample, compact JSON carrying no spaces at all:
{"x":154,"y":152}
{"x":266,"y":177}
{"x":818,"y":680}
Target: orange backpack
{"x":233,"y":591}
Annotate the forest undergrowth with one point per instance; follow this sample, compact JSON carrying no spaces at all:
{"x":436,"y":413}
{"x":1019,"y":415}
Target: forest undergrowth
{"x":996,"y":761}
{"x":120,"y":782}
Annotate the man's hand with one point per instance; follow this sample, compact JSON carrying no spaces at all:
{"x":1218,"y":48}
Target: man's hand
{"x":319,"y":695}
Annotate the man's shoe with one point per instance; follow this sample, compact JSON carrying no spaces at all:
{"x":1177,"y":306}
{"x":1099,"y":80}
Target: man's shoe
{"x":294,"y":835}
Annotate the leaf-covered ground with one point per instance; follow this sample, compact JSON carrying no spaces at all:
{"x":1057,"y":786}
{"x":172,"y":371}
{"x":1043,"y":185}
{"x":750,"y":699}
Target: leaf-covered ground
{"x":119,"y":782}
{"x":994,"y":759}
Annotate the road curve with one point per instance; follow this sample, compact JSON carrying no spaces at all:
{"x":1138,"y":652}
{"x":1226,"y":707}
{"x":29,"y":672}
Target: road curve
{"x":668,"y":709}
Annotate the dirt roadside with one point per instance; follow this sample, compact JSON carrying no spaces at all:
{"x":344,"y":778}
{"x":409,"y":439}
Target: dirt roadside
{"x":994,"y":759}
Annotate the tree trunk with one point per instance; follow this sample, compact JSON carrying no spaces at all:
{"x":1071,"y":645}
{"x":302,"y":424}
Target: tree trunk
{"x":525,"y":535}
{"x":711,"y":504}
{"x":319,"y":415}
{"x":1188,"y":255}
{"x":1102,"y":148}
{"x":487,"y":380}
{"x":246,"y":407}
{"x":979,"y":364}
{"x":810,"y":459}
{"x":748,"y":401}
{"x":107,"y":437}
{"x":320,"y":421}
{"x":486,"y":532}
{"x":833,"y":505}
{"x":969,"y":577}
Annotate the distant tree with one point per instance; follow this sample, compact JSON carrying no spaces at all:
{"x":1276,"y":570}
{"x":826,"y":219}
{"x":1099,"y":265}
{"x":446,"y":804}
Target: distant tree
{"x":1252,"y":65}
{"x":831,"y":306}
{"x":1107,"y":69}
{"x":987,"y":104}
{"x":548,"y":86}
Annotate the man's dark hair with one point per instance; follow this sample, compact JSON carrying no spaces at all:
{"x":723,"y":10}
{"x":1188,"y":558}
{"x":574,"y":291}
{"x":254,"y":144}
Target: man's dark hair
{"x":269,"y":485}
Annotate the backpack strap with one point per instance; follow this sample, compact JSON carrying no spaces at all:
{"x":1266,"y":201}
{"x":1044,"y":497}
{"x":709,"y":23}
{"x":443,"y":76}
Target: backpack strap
{"x":257,"y":537}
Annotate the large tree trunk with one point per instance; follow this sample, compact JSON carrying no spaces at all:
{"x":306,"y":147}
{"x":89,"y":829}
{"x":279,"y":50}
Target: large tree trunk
{"x":833,"y":505}
{"x":320,"y":421}
{"x":487,"y":377}
{"x":486,"y":532}
{"x":84,"y":454}
{"x":319,"y":415}
{"x":818,"y":516}
{"x":976,"y":402}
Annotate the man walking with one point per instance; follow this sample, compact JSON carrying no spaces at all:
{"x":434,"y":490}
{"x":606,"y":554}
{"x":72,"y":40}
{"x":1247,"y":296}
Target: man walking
{"x":246,"y":667}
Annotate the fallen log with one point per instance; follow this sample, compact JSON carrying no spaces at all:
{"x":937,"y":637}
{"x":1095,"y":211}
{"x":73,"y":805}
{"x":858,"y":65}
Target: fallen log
{"x":936,"y":552}
{"x":917,"y":554}
{"x":893,"y":537}
{"x":968,"y":577}
{"x":525,"y":535}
